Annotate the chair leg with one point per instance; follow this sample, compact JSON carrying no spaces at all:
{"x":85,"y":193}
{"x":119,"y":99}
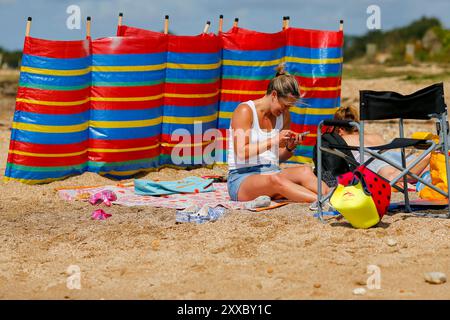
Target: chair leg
{"x":405,"y":178}
{"x":444,"y":126}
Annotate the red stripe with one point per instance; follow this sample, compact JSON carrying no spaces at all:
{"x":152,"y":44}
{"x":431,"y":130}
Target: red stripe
{"x":314,"y":38}
{"x":123,"y":156}
{"x":191,"y":102}
{"x":321,"y":94}
{"x":56,"y":49}
{"x":47,"y":161}
{"x":188,"y":88}
{"x":238,"y":97}
{"x":53,"y":95}
{"x":126,"y":105}
{"x":121,"y":45}
{"x":36,"y":108}
{"x":123,"y":144}
{"x":48,"y":148}
{"x":143,"y":91}
{"x":319,"y":82}
{"x":244,"y":39}
{"x":128,"y":31}
{"x":204,"y":43}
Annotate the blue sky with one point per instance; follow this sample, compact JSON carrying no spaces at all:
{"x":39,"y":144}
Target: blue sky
{"x":188,"y":17}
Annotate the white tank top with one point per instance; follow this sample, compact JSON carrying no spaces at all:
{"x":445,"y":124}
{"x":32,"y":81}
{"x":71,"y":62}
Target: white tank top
{"x":256,"y":135}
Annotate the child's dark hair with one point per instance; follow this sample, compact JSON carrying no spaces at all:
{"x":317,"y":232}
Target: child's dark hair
{"x":347,"y":113}
{"x":284,"y":84}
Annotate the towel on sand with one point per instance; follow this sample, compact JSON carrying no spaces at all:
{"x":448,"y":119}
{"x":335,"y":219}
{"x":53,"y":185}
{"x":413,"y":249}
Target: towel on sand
{"x":161,"y":188}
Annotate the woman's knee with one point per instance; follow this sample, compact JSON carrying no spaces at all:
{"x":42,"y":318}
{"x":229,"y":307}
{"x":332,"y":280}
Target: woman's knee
{"x":277,"y":180}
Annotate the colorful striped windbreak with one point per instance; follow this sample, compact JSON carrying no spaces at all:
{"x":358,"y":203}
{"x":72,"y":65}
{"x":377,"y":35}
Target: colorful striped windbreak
{"x":142,"y":99}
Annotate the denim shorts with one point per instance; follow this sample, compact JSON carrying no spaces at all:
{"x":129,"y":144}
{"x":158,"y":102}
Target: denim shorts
{"x":237,"y":176}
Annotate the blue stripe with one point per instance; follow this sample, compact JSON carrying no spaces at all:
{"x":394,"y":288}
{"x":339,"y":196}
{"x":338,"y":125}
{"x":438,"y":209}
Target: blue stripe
{"x":197,"y":111}
{"x":42,"y":175}
{"x":196,"y":58}
{"x":124,"y":133}
{"x":254,"y":55}
{"x":192,"y":74}
{"x":125,"y":115}
{"x":55,"y":63}
{"x":169,"y":128}
{"x":128,"y":59}
{"x":51,"y":119}
{"x":133,"y":76}
{"x":41,"y":79}
{"x":324,"y":103}
{"x":228,"y":106}
{"x":268,"y":72}
{"x":318,"y":70}
{"x":49,"y":138}
{"x":145,"y":164}
{"x":223,"y":123}
{"x":313,"y":53}
{"x":309,"y":119}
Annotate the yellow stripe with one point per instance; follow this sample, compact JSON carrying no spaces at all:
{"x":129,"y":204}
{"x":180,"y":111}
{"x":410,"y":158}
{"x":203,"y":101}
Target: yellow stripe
{"x":53,"y":103}
{"x":129,"y":68}
{"x":189,"y":120}
{"x":252,"y":63}
{"x":301,"y":159}
{"x":47,"y":155}
{"x":121,"y":99}
{"x":182,"y":145}
{"x":313,"y":61}
{"x":125,"y":124}
{"x":188,"y":66}
{"x":182,"y":95}
{"x":123,"y":150}
{"x":225,"y":114}
{"x":242,"y":91}
{"x":320,"y":88}
{"x":50,"y":129}
{"x":55,"y":72}
{"x":318,"y":111}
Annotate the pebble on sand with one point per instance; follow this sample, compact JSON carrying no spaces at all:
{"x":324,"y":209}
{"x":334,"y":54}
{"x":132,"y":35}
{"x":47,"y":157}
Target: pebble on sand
{"x":435,"y":277}
{"x":391,"y":242}
{"x":359,"y":291}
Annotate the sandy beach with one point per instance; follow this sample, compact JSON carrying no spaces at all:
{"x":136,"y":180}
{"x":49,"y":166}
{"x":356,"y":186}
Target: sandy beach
{"x":142,"y":253}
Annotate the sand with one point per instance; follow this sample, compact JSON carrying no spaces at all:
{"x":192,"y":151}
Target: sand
{"x":142,"y":253}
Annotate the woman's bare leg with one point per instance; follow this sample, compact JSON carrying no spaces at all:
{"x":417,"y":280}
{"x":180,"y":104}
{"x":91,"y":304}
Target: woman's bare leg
{"x":390,"y":172}
{"x":274,"y":185}
{"x":304,"y":175}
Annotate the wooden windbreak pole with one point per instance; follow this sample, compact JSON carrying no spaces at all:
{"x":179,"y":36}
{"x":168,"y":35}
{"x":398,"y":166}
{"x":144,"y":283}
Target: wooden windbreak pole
{"x":288,"y":19}
{"x":166,"y":24}
{"x":206,"y":28}
{"x":341,"y":25}
{"x":221,"y":23}
{"x":284,"y":23}
{"x":88,"y":27}
{"x":236,"y":22}
{"x":119,"y":23}
{"x":28,"y":28}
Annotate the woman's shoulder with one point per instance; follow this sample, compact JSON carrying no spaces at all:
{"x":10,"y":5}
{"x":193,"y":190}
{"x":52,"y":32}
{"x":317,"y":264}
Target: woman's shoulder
{"x":242,"y":115}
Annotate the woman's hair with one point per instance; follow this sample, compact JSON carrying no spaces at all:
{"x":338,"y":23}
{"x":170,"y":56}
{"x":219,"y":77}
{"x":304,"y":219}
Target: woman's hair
{"x":284,"y":84}
{"x":347,"y":113}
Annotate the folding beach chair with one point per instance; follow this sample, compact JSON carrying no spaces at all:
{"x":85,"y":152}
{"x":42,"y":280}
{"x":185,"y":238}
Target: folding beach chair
{"x":425,"y":104}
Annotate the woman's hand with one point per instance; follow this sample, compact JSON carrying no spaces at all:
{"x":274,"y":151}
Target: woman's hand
{"x":285,"y":137}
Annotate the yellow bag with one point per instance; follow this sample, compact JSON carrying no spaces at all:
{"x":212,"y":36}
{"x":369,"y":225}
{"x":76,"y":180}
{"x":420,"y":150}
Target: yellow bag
{"x":438,"y":175}
{"x":356,"y":205}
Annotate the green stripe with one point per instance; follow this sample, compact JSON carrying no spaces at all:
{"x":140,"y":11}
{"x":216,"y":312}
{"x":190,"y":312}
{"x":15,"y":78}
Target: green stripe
{"x":48,"y":87}
{"x":121,"y":163}
{"x":194,"y":81}
{"x":43,"y":169}
{"x":126,"y":84}
{"x":233,"y":77}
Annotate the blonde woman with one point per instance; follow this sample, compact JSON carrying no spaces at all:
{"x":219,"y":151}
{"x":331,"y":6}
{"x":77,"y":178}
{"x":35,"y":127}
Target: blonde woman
{"x":260,"y":139}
